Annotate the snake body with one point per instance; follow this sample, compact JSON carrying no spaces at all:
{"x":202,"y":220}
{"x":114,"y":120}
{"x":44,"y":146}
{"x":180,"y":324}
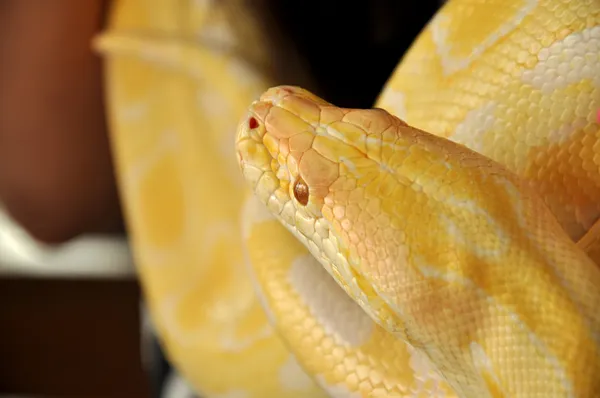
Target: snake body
{"x":444,"y":249}
{"x":448,"y":271}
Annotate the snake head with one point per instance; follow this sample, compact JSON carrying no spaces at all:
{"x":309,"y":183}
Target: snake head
{"x":296,"y":151}
{"x":304,"y":158}
{"x":287,"y":157}
{"x":275,"y":147}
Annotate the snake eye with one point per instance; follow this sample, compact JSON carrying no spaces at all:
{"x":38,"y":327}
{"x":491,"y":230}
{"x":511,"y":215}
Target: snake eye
{"x":301,"y":191}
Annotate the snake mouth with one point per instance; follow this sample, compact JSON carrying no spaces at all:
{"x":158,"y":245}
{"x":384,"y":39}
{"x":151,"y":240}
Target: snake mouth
{"x":258,"y":154}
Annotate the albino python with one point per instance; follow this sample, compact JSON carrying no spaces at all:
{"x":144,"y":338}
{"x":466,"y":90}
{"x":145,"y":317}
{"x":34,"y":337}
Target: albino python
{"x":459,"y":271}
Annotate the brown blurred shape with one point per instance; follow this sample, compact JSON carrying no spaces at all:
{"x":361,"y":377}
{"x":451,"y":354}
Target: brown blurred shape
{"x":56,"y":176}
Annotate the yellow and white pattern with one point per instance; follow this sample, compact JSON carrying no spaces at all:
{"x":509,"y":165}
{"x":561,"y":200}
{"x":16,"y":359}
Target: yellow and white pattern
{"x":245,"y":310}
{"x":453,"y":256}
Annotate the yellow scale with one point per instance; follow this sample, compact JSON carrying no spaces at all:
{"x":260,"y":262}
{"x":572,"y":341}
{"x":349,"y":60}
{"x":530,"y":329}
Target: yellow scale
{"x":515,"y":80}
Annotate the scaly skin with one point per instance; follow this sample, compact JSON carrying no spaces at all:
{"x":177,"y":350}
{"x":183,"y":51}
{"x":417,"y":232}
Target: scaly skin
{"x":515,"y":80}
{"x":441,"y":246}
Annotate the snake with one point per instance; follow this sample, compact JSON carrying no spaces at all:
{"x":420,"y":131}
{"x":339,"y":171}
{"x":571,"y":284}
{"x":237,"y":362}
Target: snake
{"x":442,"y":244}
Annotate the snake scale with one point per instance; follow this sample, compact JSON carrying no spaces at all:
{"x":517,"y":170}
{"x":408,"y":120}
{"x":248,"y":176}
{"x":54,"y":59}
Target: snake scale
{"x":443,"y":245}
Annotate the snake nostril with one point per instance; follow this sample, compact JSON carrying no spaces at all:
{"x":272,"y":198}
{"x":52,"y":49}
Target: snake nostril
{"x":252,"y":123}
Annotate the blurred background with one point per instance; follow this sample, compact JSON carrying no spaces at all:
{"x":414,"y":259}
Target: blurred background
{"x":72,"y":315}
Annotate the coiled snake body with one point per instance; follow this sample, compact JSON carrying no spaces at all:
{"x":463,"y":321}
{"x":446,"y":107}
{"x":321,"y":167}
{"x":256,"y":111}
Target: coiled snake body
{"x":450,"y":227}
